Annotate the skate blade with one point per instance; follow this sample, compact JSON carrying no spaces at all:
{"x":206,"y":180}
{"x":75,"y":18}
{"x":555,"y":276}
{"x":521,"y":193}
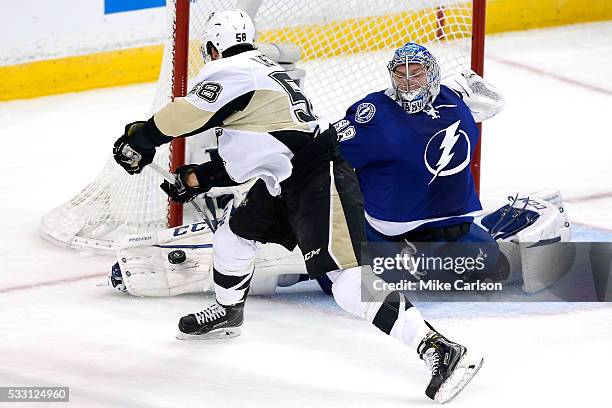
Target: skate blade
{"x":212,"y":335}
{"x":466,"y":369}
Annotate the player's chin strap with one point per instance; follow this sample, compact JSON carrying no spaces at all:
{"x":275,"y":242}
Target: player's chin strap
{"x":129,"y":152}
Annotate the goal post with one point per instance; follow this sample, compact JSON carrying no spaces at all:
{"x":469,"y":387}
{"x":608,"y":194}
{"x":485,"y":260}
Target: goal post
{"x":180,"y":81}
{"x":343,"y":48}
{"x":477,"y":64}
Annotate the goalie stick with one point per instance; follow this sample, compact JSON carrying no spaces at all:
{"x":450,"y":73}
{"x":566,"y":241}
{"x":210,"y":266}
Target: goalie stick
{"x":127,"y":151}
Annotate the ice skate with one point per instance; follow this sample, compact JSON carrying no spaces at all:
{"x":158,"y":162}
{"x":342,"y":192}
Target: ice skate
{"x":214,"y":322}
{"x":450,"y":365}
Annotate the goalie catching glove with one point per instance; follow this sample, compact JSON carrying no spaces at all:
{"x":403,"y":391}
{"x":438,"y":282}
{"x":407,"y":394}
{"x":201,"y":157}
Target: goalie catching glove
{"x":141,"y":138}
{"x":483,"y":99}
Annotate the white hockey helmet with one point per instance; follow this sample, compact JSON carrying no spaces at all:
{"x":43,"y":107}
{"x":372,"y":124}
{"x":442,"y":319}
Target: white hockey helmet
{"x":225,"y":29}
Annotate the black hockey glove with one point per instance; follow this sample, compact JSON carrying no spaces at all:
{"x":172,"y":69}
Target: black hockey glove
{"x":179,"y":191}
{"x":128,"y":154}
{"x":210,"y":174}
{"x":136,"y":148}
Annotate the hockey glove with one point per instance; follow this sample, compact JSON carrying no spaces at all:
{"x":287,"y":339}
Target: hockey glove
{"x":179,"y":191}
{"x":136,"y":148}
{"x":127,"y":152}
{"x":483,"y":99}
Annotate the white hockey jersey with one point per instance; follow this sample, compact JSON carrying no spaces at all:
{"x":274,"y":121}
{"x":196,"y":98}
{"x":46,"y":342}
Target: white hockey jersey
{"x":264,"y":116}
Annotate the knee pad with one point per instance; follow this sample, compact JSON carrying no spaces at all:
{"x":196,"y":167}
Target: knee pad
{"x":347,"y":293}
{"x":346,"y":289}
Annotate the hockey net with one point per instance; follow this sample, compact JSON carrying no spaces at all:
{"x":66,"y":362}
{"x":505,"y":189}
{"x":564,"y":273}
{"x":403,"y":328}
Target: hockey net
{"x":345,"y":46}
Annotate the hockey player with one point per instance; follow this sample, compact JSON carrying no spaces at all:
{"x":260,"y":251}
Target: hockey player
{"x":306,"y":194}
{"x":411,"y":146}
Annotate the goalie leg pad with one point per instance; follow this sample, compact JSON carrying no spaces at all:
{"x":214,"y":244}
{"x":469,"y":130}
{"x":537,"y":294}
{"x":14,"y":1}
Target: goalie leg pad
{"x":147,"y":269}
{"x":533,"y":232}
{"x":149,"y":264}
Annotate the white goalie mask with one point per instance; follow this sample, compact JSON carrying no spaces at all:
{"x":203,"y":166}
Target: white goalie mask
{"x":225,"y":29}
{"x":415,"y":77}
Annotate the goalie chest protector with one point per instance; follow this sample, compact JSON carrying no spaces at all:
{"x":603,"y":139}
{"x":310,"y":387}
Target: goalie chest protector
{"x":412,"y":167}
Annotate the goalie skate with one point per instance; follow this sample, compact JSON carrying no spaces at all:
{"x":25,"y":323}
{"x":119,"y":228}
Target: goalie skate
{"x":451,"y":366}
{"x":214,"y":322}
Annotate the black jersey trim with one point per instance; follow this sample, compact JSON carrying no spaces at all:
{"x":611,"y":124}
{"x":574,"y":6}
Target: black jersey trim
{"x":235,"y":105}
{"x":295,"y":140}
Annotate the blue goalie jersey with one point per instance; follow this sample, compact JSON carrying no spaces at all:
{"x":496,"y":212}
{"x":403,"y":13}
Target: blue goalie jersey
{"x":413,"y":169}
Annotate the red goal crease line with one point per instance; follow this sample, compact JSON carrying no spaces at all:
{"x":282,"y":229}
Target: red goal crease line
{"x":550,"y":74}
{"x":51,"y":283}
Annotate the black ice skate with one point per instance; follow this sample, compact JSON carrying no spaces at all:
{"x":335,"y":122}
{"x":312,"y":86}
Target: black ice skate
{"x":451,"y":367}
{"x":214,"y":322}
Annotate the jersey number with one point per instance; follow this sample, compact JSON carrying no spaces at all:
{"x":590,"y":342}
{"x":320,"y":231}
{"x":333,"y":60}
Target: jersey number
{"x":301,"y":106}
{"x":209,"y":91}
{"x":345,"y":132}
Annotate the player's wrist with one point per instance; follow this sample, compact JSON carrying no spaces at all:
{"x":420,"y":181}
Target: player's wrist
{"x":145,"y":136}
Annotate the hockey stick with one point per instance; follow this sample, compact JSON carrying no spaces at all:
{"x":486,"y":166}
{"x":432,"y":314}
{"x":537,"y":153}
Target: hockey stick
{"x":128,"y":152}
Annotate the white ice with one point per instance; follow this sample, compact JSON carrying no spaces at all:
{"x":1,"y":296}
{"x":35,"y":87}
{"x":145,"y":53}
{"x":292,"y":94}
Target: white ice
{"x":299,"y":349}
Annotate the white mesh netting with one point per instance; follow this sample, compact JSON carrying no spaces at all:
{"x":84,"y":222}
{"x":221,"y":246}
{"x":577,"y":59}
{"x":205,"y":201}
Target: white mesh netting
{"x":345,"y":47}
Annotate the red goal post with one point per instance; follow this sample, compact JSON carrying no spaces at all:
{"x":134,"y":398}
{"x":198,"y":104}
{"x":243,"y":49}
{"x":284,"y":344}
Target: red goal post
{"x":477,"y":56}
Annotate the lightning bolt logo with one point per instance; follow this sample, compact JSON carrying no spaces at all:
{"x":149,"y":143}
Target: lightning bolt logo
{"x":365,"y":112}
{"x":451,"y":136}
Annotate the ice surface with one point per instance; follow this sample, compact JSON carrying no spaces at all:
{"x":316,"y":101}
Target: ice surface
{"x":298,"y":348}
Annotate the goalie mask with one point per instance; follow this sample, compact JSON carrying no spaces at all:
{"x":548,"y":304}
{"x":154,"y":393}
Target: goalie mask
{"x":415,"y":77}
{"x":225,"y":29}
